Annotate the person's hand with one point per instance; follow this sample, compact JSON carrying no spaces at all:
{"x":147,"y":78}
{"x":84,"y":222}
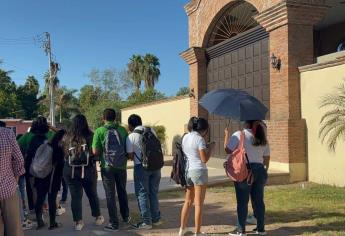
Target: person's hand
{"x":227,"y":132}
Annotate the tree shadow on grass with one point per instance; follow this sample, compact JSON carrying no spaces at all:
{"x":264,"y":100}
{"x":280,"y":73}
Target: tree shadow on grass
{"x":273,"y":217}
{"x":323,"y":229}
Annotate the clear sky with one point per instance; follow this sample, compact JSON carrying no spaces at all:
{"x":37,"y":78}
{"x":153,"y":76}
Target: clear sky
{"x":89,"y":34}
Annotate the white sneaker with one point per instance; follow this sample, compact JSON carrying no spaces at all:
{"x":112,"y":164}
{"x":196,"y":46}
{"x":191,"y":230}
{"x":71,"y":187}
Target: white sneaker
{"x":60,"y":210}
{"x":27,"y":224}
{"x":237,"y":233}
{"x":158,"y":223}
{"x":143,"y":226}
{"x":182,"y":232}
{"x":99,"y":220}
{"x":79,"y":226}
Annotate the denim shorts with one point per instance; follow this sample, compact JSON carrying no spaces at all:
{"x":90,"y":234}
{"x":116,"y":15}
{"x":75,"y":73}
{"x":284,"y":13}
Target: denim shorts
{"x":197,"y":177}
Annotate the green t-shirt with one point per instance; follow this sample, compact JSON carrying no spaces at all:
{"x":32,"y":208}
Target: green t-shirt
{"x":99,"y":141}
{"x":26,"y":139}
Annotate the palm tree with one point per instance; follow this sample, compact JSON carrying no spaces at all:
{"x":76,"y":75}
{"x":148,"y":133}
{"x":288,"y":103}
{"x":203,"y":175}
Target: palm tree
{"x":333,"y":121}
{"x":135,"y":68}
{"x":151,"y":71}
{"x":66,"y":101}
{"x":56,"y":81}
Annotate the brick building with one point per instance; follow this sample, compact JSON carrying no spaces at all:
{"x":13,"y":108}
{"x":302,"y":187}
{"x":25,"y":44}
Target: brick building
{"x":231,"y":45}
{"x":19,"y":126}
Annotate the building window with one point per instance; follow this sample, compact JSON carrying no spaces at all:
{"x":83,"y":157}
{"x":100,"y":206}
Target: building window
{"x":237,"y":19}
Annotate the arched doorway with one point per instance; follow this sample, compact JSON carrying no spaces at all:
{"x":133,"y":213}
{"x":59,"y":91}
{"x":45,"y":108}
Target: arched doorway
{"x":237,"y":57}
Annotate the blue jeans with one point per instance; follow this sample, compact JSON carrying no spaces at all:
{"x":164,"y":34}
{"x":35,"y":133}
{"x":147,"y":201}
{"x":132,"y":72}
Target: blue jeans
{"x":115,"y":180}
{"x":21,"y":184}
{"x":146,"y":184}
{"x":256,"y":192}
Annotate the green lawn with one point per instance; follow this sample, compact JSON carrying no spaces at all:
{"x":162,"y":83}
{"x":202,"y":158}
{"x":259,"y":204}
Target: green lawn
{"x":297,"y":209}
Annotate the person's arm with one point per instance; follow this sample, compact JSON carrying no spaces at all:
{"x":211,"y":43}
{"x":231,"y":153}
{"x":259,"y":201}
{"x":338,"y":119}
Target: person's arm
{"x":17,"y":159}
{"x":129,"y":149}
{"x":204,"y":151}
{"x":96,"y":144}
{"x":226,"y":140}
{"x":267,"y":157}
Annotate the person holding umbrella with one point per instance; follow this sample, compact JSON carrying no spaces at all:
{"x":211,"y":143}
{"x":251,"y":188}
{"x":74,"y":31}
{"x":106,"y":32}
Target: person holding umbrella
{"x":254,"y":149}
{"x":257,"y":150}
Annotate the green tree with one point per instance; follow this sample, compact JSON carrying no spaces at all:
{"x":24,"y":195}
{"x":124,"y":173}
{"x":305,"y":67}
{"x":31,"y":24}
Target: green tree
{"x":135,"y":69}
{"x":183,"y":91}
{"x":151,"y":71}
{"x":333,"y":121}
{"x":28,"y":97}
{"x":66,"y":103}
{"x":149,"y":95}
{"x":9,"y":103}
{"x":89,"y":96}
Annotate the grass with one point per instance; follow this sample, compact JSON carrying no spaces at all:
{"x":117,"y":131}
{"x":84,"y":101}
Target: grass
{"x":300,"y":209}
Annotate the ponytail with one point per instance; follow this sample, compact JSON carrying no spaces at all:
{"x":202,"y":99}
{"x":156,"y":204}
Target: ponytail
{"x":259,"y":134}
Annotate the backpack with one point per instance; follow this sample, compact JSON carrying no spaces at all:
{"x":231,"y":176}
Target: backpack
{"x":152,"y":157}
{"x":42,"y":157}
{"x":114,"y":149}
{"x":78,"y":156}
{"x":178,"y":172}
{"x":237,"y":167}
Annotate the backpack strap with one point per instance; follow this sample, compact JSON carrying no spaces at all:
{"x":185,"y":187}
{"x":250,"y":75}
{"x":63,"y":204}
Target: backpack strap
{"x":241,"y":145}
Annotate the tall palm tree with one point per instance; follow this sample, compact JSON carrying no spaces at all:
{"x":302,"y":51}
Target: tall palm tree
{"x":333,"y":121}
{"x":66,"y":101}
{"x":135,"y":68}
{"x":56,"y":82}
{"x":151,"y":71}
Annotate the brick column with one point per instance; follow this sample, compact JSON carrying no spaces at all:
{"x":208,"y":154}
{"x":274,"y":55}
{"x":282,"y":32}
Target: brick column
{"x":196,"y":59}
{"x":290,"y":25}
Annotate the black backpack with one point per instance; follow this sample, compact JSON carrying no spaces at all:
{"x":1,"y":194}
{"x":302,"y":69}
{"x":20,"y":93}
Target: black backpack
{"x":114,"y":148}
{"x":178,"y":172}
{"x":35,"y":143}
{"x":152,"y":157}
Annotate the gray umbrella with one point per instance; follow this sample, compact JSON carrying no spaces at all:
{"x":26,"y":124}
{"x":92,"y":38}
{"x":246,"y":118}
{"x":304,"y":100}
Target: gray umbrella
{"x":233,"y":104}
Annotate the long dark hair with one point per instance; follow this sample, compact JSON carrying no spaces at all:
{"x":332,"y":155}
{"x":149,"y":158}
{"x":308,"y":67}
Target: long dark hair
{"x":79,"y":128}
{"x":39,"y":125}
{"x":197,"y":124}
{"x":57,"y":138}
{"x":258,"y":129}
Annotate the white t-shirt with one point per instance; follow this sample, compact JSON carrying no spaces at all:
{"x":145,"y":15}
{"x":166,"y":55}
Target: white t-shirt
{"x":192,"y":143}
{"x":133,"y":144}
{"x":255,"y":153}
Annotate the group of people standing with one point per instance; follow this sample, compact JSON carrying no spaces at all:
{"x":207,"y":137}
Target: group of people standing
{"x":81,"y":174}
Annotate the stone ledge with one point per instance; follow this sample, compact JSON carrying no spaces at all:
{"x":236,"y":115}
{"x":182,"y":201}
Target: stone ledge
{"x":318,"y":66}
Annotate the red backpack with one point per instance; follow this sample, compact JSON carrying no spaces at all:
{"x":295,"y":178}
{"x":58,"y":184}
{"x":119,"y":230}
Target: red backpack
{"x":237,"y":167}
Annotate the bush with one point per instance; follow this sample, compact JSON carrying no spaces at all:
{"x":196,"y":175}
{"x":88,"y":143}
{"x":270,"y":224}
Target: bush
{"x":161,"y":134}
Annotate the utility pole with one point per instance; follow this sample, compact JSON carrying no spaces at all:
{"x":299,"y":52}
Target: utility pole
{"x":53,"y":68}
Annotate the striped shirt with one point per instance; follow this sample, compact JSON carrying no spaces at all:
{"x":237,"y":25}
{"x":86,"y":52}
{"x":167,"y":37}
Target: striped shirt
{"x":11,"y":163}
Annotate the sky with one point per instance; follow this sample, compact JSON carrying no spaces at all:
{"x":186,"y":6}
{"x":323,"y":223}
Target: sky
{"x":89,"y":34}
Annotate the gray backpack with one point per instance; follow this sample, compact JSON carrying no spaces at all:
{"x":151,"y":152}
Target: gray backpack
{"x":114,"y":149}
{"x":42,"y":163}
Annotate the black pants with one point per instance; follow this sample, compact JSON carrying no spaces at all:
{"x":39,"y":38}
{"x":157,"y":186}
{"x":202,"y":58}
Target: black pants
{"x":76,"y":186}
{"x":29,"y":192}
{"x":256,"y":192}
{"x":42,"y":191}
{"x":64,"y":190}
{"x":115,"y":179}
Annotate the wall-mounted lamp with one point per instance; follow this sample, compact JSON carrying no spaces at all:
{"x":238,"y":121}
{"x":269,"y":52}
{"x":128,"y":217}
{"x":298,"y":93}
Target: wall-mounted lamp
{"x":275,"y":62}
{"x":191,"y":93}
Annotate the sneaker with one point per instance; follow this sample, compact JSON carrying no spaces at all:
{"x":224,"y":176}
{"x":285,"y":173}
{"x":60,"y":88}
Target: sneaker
{"x":251,"y":220}
{"x":111,"y":228}
{"x":237,"y":233}
{"x":99,"y":220}
{"x":182,"y":232}
{"x":143,"y":226}
{"x":200,"y":234}
{"x":27,"y":224}
{"x":54,"y":226}
{"x":60,"y":210}
{"x":259,"y":232}
{"x":79,"y":226}
{"x":157,"y":223}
